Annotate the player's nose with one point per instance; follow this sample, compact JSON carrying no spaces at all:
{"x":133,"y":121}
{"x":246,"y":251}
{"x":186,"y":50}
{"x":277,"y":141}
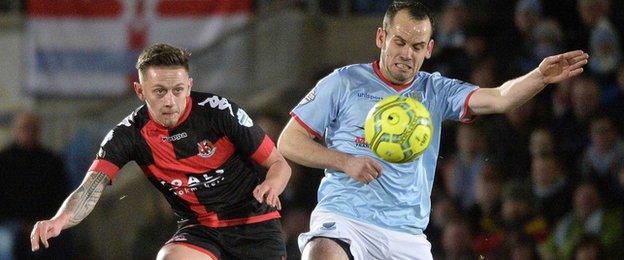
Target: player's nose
{"x":406,"y":53}
{"x":169,"y":99}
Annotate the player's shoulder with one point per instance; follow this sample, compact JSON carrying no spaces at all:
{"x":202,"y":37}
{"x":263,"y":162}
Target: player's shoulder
{"x":355,"y":70}
{"x":434,"y":78}
{"x":135,"y":120}
{"x":348,"y":76}
{"x":204,"y":102}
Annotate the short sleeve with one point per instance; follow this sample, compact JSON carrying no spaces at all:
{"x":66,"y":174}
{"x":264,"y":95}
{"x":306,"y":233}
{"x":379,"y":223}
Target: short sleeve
{"x":115,"y":151}
{"x":321,"y":105}
{"x":453,"y":98}
{"x":248,"y":138}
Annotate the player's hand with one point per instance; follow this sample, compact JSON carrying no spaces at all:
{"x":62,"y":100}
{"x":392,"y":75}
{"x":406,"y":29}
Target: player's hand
{"x":269,"y":190}
{"x":44,"y":230}
{"x":560,"y":67}
{"x":363,"y":169}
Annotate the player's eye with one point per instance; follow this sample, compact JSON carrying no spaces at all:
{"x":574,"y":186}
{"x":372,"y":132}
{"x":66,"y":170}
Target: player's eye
{"x":178,"y":90}
{"x":159,"y":91}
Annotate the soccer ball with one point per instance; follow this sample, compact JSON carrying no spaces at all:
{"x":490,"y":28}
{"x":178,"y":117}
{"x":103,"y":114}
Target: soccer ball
{"x":398,"y":129}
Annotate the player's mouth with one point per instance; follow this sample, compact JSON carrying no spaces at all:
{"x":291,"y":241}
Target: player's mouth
{"x":403,"y":66}
{"x":169,"y":114}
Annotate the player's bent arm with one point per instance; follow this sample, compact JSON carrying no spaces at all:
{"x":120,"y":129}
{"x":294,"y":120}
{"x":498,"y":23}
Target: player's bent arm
{"x":277,"y":177}
{"x":298,"y":145}
{"x":75,"y":208}
{"x":516,"y":92}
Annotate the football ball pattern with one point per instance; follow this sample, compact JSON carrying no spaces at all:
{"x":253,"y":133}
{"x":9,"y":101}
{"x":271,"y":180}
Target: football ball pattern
{"x":398,"y":129}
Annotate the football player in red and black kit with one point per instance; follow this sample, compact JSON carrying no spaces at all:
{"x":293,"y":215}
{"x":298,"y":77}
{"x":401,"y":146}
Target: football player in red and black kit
{"x":219,"y":171}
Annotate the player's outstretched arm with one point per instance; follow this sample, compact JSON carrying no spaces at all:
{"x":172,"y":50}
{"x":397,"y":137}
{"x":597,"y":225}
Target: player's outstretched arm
{"x":296,"y":144}
{"x":516,"y":92}
{"x":75,"y":208}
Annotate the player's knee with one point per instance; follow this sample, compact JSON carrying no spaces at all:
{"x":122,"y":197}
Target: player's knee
{"x":176,"y":252}
{"x":323,"y":248}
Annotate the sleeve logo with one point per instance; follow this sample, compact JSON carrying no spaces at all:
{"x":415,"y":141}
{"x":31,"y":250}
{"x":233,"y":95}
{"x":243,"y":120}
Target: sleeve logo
{"x":219,"y":103}
{"x":243,"y":118}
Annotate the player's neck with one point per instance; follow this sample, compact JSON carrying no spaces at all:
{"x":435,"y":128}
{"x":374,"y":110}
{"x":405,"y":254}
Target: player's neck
{"x":395,"y":86}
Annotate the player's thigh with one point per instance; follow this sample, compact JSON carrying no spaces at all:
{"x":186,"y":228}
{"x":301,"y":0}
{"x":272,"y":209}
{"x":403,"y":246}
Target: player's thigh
{"x":174,"y":251}
{"x":323,"y":248}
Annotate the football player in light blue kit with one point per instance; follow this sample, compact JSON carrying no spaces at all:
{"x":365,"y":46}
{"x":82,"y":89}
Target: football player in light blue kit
{"x":369,"y":208}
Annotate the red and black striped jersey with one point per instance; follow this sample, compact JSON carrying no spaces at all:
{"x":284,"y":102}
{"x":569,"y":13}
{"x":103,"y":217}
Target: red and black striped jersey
{"x":206,"y":166}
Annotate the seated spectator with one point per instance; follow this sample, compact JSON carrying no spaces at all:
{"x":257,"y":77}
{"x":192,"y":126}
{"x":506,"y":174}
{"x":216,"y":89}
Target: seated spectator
{"x":457,"y":241}
{"x":541,"y":142}
{"x":485,"y":215}
{"x":572,"y":127}
{"x":587,"y":216}
{"x":463,"y":170}
{"x":551,"y":188}
{"x":589,"y":248}
{"x":604,"y":157}
{"x":518,"y":213}
{"x":443,"y":211}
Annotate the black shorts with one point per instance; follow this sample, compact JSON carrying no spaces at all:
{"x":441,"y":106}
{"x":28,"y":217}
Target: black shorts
{"x":263,"y":240}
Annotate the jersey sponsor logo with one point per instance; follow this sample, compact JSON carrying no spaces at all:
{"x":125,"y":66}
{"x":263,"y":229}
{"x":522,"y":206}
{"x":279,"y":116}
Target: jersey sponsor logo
{"x":243,"y":118}
{"x":309,"y":97}
{"x":206,"y":149}
{"x":174,"y":138}
{"x":219,"y":103}
{"x":368,"y":96}
{"x":193,"y":183}
{"x":329,"y":226}
{"x":360,"y":142}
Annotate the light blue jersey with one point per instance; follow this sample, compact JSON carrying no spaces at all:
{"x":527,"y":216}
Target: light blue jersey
{"x":336,"y":108}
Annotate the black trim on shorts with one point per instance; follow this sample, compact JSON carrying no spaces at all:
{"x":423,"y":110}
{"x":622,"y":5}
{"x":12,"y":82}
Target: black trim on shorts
{"x":344,"y":245}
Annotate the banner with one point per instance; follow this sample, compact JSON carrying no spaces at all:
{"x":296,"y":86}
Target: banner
{"x":83,"y":48}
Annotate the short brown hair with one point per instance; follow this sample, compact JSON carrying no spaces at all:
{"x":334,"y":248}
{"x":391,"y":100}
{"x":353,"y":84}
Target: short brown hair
{"x":162,"y":54}
{"x":416,"y":10}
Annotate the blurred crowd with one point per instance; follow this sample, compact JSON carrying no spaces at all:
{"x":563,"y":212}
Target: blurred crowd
{"x":545,"y":181}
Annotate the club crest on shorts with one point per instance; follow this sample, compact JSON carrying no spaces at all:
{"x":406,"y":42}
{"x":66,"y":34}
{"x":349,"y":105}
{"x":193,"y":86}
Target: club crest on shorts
{"x":206,"y":149}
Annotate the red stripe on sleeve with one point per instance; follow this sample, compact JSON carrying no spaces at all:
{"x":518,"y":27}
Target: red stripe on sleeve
{"x":106,"y":167}
{"x":264,"y":150}
{"x":466,"y":118}
{"x":307,"y":128}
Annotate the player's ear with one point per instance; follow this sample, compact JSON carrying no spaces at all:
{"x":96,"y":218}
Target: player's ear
{"x":430,"y":46}
{"x":190,"y":84}
{"x":138,"y":89}
{"x":380,"y":37}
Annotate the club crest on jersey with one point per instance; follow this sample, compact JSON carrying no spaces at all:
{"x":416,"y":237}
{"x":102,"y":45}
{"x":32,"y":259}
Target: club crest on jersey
{"x":206,"y":149}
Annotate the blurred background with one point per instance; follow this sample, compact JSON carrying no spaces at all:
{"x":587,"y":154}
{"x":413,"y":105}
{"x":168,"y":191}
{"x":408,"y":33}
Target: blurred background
{"x":545,"y":181}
